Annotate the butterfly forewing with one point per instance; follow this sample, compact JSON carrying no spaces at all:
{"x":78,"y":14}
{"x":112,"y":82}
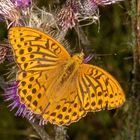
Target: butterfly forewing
{"x":67,"y":110}
{"x":35,"y":50}
{"x":97,"y":89}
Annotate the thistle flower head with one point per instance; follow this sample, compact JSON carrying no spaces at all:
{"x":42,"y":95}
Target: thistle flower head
{"x":9,"y":11}
{"x":83,"y":10}
{"x":22,"y":3}
{"x":89,"y":7}
{"x":66,"y":17}
{"x":74,"y":12}
{"x":86,"y":7}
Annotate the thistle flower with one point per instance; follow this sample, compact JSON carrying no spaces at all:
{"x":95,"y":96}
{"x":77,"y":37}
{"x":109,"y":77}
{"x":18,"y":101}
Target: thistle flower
{"x":89,"y":7}
{"x":66,"y":17}
{"x":22,"y":3}
{"x":9,"y":12}
{"x":76,"y":11}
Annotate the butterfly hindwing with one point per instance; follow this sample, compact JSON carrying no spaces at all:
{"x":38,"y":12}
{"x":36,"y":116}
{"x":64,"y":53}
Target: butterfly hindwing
{"x":65,"y":111}
{"x":33,"y":88}
{"x":97,"y":89}
{"x":35,"y":50}
{"x":29,"y":89}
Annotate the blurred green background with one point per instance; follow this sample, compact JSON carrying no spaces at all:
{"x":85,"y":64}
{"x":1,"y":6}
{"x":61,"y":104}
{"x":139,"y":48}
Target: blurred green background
{"x":113,"y":52}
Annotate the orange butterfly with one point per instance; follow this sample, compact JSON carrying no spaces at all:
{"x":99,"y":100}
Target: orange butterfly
{"x":58,"y":87}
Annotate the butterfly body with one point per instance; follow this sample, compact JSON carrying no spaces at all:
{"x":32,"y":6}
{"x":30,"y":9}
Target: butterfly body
{"x":58,"y":87}
{"x":71,"y":67}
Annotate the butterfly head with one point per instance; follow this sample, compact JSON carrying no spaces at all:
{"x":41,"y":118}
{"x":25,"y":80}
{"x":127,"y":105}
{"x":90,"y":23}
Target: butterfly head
{"x":79,"y":57}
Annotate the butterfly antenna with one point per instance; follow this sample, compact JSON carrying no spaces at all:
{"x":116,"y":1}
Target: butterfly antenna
{"x":87,"y":59}
{"x":109,"y":54}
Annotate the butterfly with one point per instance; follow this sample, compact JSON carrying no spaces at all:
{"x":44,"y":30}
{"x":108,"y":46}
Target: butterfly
{"x":55,"y":85}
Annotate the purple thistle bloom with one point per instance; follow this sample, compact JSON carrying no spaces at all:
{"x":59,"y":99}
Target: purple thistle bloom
{"x":10,"y":12}
{"x":89,"y":7}
{"x":66,"y":17}
{"x":76,"y":11}
{"x":12,"y":95}
{"x":22,"y":3}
